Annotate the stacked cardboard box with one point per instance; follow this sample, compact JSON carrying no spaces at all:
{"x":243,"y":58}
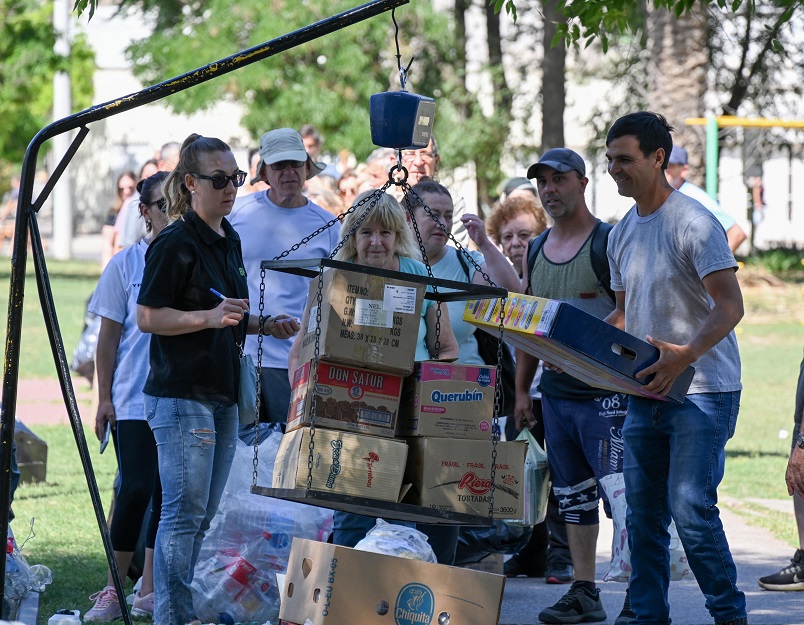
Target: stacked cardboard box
{"x":380,"y":417}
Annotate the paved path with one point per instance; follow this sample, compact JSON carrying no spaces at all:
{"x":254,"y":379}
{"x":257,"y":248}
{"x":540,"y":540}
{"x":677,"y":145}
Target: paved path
{"x":40,"y":402}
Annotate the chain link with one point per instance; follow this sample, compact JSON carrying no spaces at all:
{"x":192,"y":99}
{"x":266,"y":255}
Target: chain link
{"x":256,"y":461}
{"x":314,"y":363}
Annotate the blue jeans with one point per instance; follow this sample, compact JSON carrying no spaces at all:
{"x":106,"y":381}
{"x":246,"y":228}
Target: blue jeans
{"x":674,"y":461}
{"x":195,"y":442}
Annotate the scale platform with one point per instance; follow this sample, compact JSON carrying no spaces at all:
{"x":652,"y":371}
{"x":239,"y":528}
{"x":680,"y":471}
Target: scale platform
{"x":458,"y":291}
{"x":372,"y":507}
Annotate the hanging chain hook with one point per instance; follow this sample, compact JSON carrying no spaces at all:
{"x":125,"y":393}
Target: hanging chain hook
{"x":403,"y":71}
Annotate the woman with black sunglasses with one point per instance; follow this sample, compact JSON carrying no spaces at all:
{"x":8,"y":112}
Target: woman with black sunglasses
{"x":122,"y":364}
{"x":193,"y":300}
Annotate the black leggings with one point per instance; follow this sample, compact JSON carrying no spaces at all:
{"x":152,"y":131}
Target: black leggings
{"x":138,"y":482}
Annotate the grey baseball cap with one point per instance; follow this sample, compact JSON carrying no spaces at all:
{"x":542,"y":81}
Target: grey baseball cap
{"x":560,"y":159}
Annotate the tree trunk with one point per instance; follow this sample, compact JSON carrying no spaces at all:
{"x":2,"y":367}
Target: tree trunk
{"x":678,"y":78}
{"x":553,"y":80}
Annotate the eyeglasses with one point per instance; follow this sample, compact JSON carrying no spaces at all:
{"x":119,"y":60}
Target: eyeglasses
{"x":161,"y":203}
{"x":280,"y":165}
{"x":410,"y":155}
{"x":220,"y":181}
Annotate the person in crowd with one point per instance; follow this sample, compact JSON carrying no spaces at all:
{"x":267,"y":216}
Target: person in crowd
{"x":269,"y":223}
{"x":125,"y":187}
{"x":323,"y":191}
{"x":791,"y":577}
{"x":447,"y":263}
{"x":128,"y":224}
{"x":677,"y":170}
{"x":383,"y":240}
{"x":314,"y":145}
{"x":668,"y":247}
{"x":517,"y":187}
{"x":517,"y":220}
{"x":121,"y":363}
{"x":378,"y":164}
{"x":582,"y":425}
{"x":347,"y":187}
{"x":424,"y":163}
{"x":194,"y":302}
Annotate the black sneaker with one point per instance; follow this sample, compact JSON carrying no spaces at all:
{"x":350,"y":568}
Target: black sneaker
{"x":559,"y":575}
{"x":789,"y":578}
{"x":626,"y":614}
{"x":579,"y":605}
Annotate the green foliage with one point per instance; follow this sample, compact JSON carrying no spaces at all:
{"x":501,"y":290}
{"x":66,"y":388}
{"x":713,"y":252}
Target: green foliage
{"x":326,"y":82}
{"x":27,"y":66}
{"x":781,"y":260}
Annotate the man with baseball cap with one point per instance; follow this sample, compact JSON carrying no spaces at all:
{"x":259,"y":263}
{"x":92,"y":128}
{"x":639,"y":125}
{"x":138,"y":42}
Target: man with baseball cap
{"x":677,"y":170}
{"x":582,"y":425}
{"x":269,"y":222}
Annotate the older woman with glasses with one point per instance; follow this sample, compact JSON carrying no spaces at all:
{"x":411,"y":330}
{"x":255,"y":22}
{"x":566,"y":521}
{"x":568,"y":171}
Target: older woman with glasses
{"x":122,"y":364}
{"x":194,"y":301}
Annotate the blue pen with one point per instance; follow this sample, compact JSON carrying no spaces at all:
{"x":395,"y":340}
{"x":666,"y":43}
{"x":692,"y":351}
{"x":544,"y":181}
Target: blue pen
{"x":217,"y":293}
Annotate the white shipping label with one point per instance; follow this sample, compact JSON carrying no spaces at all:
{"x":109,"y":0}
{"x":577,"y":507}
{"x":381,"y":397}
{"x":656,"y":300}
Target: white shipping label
{"x":311,"y":322}
{"x":401,"y":299}
{"x":371,"y":312}
{"x":548,"y":316}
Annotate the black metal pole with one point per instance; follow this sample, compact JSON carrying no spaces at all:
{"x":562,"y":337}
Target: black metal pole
{"x":26,"y":222}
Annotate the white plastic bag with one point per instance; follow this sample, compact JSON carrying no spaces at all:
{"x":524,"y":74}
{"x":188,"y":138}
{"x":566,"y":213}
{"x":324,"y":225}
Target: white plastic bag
{"x":397,"y":540}
{"x":620,"y":569}
{"x":536,"y":487}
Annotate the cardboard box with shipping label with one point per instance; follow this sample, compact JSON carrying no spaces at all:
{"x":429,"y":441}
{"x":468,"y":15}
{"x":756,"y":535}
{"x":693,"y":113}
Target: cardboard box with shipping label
{"x":331,"y":585}
{"x":582,"y":345}
{"x":343,"y":462}
{"x":448,"y":400}
{"x":456,"y":476}
{"x":347,"y":398}
{"x":366,"y":321}
{"x":492,"y":563}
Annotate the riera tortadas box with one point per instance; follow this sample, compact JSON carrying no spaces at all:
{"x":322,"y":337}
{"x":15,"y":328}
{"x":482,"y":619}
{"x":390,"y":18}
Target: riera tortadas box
{"x":456,"y":476}
{"x":580,"y":344}
{"x":347,"y":398}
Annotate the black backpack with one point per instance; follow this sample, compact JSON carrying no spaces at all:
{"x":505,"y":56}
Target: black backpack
{"x":597,"y":254}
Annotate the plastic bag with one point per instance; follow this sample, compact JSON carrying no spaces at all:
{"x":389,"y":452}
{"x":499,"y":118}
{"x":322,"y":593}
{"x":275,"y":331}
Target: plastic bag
{"x":21,"y":578}
{"x":620,"y":569}
{"x":475,"y":543}
{"x":83,"y":362}
{"x":248,"y":542}
{"x":397,"y":540}
{"x":536,"y":487}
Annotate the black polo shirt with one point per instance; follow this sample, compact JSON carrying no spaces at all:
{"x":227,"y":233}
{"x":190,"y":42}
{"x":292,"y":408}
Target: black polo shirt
{"x":183,"y":263}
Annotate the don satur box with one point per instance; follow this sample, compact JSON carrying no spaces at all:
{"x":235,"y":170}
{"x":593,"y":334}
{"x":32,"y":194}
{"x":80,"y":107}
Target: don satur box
{"x":448,"y":400}
{"x":343,"y":462}
{"x":366,"y":321}
{"x":582,"y":345}
{"x":347,"y":398}
{"x":332,"y":585}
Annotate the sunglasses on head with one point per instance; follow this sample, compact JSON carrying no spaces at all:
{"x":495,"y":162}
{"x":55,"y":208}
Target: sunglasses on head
{"x":279,"y":166}
{"x":161,"y":204}
{"x":220,"y":181}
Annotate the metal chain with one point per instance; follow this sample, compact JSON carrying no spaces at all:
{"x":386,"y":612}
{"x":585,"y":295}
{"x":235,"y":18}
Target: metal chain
{"x":256,"y":461}
{"x":314,"y":363}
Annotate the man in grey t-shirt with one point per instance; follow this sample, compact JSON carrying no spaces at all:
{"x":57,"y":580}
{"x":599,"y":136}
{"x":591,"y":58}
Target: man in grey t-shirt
{"x":673,"y":275}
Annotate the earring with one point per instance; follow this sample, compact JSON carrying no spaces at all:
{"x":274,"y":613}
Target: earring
{"x":148,"y":223}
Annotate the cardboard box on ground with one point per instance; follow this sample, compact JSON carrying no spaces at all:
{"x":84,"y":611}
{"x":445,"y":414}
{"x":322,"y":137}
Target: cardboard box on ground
{"x":331,"y":585}
{"x":583,"y":346}
{"x":366,"y":321}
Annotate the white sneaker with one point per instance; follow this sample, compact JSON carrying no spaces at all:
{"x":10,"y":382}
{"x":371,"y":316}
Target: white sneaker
{"x":106,"y":608}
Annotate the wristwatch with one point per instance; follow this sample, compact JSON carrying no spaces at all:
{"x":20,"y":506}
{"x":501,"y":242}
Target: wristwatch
{"x":799,"y":440}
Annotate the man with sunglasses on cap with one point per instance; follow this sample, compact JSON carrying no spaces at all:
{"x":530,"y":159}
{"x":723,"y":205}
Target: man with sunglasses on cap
{"x":269,"y":222}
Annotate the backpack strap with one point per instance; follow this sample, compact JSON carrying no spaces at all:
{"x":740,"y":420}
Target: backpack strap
{"x":464,"y":264}
{"x":597,"y":255}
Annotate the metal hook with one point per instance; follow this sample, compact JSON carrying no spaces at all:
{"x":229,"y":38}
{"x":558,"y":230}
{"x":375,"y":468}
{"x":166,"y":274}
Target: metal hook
{"x":403,"y":72}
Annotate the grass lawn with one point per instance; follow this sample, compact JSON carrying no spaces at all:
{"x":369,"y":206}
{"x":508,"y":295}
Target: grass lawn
{"x":66,"y":537}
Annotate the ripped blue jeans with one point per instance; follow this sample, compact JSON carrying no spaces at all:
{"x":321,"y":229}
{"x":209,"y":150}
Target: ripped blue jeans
{"x":195,"y":442}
